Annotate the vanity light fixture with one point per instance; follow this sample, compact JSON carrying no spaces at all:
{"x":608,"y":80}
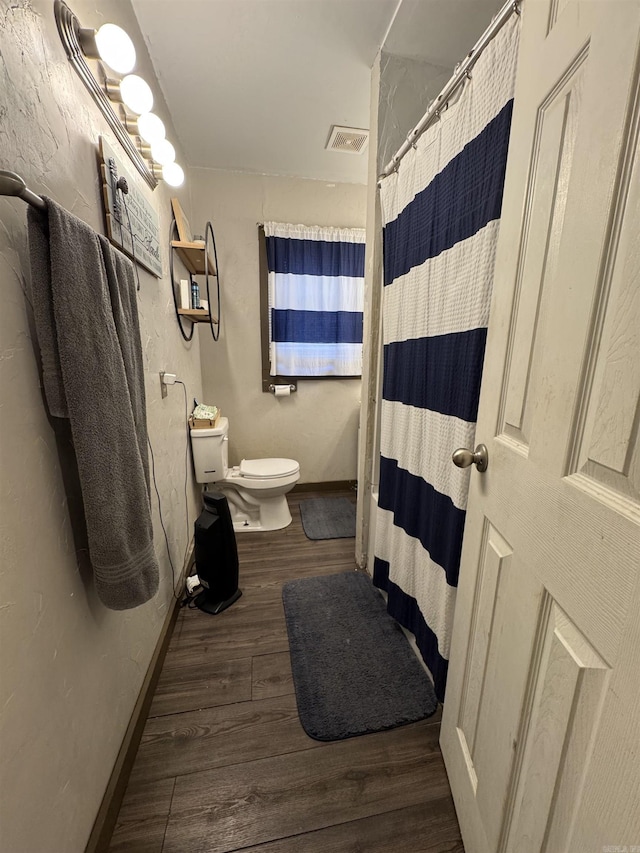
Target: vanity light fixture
{"x":112,"y":46}
{"x":151,"y":128}
{"x":163,"y":152}
{"x":136,"y":94}
{"x":173,"y":175}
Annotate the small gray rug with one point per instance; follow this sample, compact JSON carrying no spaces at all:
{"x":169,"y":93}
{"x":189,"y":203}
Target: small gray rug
{"x":354,"y":671}
{"x":328,"y":518}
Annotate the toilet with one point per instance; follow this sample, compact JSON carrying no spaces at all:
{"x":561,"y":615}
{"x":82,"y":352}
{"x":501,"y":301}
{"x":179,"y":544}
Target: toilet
{"x":256,"y":489}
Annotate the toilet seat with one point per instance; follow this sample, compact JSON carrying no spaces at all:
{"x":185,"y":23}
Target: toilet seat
{"x":268,"y":469}
{"x":266,"y":485}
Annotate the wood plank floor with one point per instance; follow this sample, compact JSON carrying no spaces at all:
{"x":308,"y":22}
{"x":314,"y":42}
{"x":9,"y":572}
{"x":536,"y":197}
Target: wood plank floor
{"x":224,"y":764}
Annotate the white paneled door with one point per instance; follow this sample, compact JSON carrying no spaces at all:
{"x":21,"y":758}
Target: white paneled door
{"x":541,"y":725}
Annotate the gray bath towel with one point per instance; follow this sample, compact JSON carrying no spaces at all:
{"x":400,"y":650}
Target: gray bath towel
{"x":86,"y":321}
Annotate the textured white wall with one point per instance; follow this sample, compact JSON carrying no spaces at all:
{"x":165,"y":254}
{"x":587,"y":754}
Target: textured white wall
{"x":317,"y":425}
{"x":70,"y":669}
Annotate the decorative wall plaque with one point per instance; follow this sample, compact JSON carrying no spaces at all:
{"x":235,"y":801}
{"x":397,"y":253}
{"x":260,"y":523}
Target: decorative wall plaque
{"x":135,"y":216}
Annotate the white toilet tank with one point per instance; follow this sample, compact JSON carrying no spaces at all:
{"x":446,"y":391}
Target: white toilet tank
{"x":210,"y":448}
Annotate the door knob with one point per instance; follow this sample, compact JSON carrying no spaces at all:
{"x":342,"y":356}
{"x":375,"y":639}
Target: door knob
{"x":463,"y":457}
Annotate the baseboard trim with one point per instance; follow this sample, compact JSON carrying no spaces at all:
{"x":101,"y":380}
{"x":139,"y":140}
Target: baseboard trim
{"x":327,"y":486}
{"x":105,"y":821}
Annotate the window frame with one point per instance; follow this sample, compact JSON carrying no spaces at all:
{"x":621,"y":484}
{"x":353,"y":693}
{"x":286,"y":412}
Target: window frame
{"x":268,"y":379}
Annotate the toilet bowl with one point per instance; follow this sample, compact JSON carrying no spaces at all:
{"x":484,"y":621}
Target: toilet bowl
{"x":256,"y":489}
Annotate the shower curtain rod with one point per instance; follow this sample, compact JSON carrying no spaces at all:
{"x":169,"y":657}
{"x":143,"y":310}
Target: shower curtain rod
{"x":12,"y":184}
{"x":462,"y":72}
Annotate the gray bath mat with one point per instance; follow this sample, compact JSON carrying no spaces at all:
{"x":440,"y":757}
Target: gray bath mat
{"x":353,"y":670}
{"x":328,"y":518}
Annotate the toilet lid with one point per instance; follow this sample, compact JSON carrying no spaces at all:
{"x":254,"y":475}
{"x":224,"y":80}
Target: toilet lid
{"x":268,"y":469}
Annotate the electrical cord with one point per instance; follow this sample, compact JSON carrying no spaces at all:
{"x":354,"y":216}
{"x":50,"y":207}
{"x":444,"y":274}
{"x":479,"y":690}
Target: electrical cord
{"x":175,"y":586}
{"x":123,"y":187}
{"x":164,"y":529}
{"x":186,"y":467}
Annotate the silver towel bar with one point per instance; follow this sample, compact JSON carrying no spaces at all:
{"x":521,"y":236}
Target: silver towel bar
{"x":12,"y":184}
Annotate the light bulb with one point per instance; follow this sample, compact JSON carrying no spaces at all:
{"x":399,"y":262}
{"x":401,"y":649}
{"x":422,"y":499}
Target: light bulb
{"x":173,"y":175}
{"x":136,"y":94}
{"x":163,"y":152}
{"x":151,"y":128}
{"x":116,"y":48}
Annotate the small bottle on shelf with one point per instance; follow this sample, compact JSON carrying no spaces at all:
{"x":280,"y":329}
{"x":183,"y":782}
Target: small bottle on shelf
{"x":195,"y":295}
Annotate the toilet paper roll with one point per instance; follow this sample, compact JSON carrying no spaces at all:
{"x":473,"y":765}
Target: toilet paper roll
{"x":282,"y":390}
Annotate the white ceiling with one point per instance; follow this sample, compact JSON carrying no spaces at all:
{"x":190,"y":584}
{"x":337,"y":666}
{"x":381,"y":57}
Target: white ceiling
{"x":255,"y":85}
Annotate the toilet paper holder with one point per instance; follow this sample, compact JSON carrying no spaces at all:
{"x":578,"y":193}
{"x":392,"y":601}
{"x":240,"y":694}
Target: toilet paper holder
{"x":273,"y":387}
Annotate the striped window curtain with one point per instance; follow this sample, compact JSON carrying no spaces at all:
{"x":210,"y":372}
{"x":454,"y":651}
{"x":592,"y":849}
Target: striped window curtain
{"x":441,"y":214}
{"x":316,"y":295}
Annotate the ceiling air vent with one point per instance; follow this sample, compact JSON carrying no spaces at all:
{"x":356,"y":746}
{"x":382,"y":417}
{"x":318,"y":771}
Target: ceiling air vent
{"x":352,"y":140}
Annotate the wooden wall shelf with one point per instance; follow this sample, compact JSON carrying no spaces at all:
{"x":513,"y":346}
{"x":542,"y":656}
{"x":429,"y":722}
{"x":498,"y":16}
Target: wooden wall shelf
{"x":192,"y":255}
{"x":196,"y":315}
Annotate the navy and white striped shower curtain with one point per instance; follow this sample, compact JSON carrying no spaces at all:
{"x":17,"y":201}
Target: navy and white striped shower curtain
{"x":441,"y":215}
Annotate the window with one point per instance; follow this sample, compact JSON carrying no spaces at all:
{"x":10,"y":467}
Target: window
{"x":312,"y":301}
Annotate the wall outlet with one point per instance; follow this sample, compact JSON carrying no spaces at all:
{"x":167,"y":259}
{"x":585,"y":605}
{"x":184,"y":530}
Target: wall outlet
{"x":163,"y":385}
